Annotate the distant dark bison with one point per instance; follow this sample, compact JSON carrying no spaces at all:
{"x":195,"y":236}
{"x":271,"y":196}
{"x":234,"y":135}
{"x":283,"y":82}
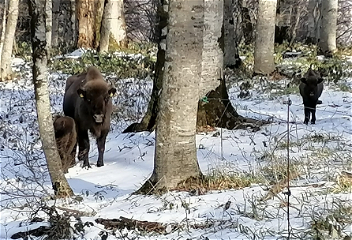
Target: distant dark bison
{"x":310,"y":88}
{"x":66,"y":139}
{"x":87,"y":100}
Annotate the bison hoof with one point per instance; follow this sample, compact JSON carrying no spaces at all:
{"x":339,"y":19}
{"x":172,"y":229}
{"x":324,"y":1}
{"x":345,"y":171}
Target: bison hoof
{"x":100,"y":164}
{"x":312,"y":122}
{"x":305,"y":122}
{"x":86,"y":165}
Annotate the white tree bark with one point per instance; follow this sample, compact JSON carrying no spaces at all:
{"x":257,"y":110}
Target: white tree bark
{"x":213,"y":43}
{"x":118,"y":23}
{"x":40,"y":80}
{"x":11,"y":22}
{"x":175,"y":151}
{"x":49,"y":23}
{"x":327,"y":41}
{"x":264,"y":41}
{"x":105,"y":27}
{"x":3,"y":26}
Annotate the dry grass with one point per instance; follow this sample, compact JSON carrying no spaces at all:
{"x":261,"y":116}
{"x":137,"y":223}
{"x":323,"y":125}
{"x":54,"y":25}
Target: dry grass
{"x":216,"y":181}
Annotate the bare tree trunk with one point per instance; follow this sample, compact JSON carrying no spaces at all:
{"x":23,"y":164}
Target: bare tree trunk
{"x":264,"y":41}
{"x":39,"y":71}
{"x":99,"y":10}
{"x":3,"y":11}
{"x":313,"y":21}
{"x":89,"y":21}
{"x":327,"y":41}
{"x":49,"y":24}
{"x":11,"y":22}
{"x":230,"y":50}
{"x":213,"y":42}
{"x":73,"y":24}
{"x":55,"y":23}
{"x":118,"y":23}
{"x":105,"y":27}
{"x":175,"y":151}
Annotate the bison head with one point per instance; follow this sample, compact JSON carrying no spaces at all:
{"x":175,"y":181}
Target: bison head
{"x":311,"y":85}
{"x":97,"y":98}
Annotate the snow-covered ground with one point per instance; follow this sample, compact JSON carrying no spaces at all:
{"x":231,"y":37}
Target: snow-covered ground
{"x":320,"y":153}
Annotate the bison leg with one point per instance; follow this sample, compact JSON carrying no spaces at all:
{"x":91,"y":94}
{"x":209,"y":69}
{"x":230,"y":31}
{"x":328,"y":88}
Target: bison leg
{"x":72,"y":156}
{"x":313,"y":116}
{"x":101,"y":148}
{"x":83,"y":144}
{"x":306,"y":115}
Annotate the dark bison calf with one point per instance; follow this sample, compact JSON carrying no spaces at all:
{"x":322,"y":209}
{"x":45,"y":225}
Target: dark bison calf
{"x":310,"y":88}
{"x":87,"y":100}
{"x":66,"y":139}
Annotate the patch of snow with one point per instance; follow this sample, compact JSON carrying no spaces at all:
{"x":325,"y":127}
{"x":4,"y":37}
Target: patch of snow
{"x":321,"y":151}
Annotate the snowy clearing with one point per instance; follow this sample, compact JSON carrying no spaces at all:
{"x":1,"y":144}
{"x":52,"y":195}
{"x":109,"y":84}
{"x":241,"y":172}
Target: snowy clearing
{"x":319,"y":154}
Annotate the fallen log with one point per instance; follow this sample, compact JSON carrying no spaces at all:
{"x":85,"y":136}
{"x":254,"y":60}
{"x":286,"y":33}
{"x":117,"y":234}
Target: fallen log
{"x":131,"y":224}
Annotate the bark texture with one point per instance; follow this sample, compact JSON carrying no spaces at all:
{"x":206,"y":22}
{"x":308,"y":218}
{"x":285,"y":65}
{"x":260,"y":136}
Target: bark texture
{"x":175,"y":151}
{"x":264,"y":41}
{"x":327,"y":41}
{"x":230,"y":49}
{"x":89,"y":18}
{"x":313,"y":22}
{"x":39,"y":70}
{"x":118,"y":23}
{"x":49,"y":23}
{"x":105,"y":27}
{"x":3,"y":8}
{"x":9,"y":37}
{"x":213,"y":46}
{"x":55,"y":23}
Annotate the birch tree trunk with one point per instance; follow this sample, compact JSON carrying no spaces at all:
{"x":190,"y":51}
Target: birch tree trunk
{"x":9,"y":37}
{"x":39,"y":71}
{"x":3,"y":10}
{"x":118,"y":23}
{"x":327,"y":41}
{"x":213,"y":46}
{"x":49,"y":24}
{"x":264,"y":41}
{"x":175,"y":151}
{"x":105,"y":27}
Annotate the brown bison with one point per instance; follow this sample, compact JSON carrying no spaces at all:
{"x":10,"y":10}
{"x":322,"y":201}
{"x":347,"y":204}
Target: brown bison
{"x":311,"y":88}
{"x":66,"y":139}
{"x":87,"y":100}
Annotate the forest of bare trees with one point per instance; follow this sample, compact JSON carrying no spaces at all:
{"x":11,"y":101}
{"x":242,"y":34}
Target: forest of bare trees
{"x":200,"y":46}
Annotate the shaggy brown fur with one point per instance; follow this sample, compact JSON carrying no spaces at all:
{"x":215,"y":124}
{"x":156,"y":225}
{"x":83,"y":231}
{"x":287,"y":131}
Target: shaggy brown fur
{"x":88,"y":101}
{"x":66,"y":139}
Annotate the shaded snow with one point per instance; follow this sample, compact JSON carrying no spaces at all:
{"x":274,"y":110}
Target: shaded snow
{"x":106,"y":191}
